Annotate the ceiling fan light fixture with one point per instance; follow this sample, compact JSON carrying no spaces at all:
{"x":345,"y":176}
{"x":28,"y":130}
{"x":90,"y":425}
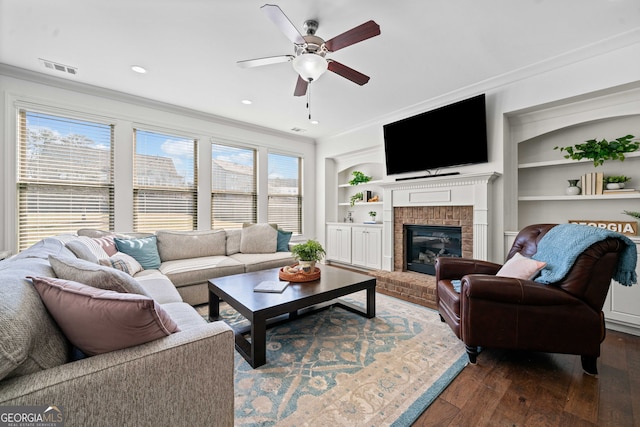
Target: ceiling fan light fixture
{"x":310,"y":66}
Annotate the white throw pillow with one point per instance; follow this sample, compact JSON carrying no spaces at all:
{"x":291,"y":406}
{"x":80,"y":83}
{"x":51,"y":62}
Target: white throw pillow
{"x":521,"y":267}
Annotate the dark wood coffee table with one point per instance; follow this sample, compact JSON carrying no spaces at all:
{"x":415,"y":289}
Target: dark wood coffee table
{"x":263,"y":309}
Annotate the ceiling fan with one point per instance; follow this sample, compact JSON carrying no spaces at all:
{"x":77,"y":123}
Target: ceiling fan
{"x":310,"y":60}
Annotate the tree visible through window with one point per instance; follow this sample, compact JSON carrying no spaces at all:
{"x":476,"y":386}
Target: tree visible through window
{"x":285,"y":194}
{"x":165,"y":187}
{"x":233,"y":186}
{"x":65,"y":176}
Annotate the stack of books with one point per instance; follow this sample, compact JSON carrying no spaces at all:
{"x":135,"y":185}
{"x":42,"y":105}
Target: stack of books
{"x":592,"y":183}
{"x":621,"y":191}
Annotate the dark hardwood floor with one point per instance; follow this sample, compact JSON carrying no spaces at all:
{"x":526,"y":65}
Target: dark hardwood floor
{"x":508,"y":388}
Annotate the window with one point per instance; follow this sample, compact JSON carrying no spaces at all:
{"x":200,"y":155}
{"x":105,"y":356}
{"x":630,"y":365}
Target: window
{"x":164,"y":187}
{"x":285,"y":195}
{"x":233,"y":186}
{"x":65,"y":176}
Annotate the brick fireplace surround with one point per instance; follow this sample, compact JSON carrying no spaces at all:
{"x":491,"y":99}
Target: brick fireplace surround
{"x":460,"y":202}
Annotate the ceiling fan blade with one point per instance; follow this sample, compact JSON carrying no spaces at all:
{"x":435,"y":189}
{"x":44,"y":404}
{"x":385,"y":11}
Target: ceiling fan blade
{"x":249,"y":63}
{"x":357,"y":34}
{"x":347,"y":73}
{"x":301,"y":87}
{"x":278,"y":17}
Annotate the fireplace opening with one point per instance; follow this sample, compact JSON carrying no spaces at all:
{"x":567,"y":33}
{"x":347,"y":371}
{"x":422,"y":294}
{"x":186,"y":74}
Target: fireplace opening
{"x":425,"y":243}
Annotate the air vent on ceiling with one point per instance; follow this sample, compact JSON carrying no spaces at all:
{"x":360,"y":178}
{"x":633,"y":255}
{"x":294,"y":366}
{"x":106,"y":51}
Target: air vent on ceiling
{"x":298,"y":130}
{"x":58,"y":67}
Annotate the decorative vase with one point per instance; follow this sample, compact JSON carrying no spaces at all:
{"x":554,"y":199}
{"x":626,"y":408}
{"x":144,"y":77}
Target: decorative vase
{"x":613,"y":185}
{"x":573,"y":189}
{"x":307,"y":266}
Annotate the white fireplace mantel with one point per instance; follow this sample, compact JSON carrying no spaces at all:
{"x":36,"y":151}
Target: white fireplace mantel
{"x":453,"y":190}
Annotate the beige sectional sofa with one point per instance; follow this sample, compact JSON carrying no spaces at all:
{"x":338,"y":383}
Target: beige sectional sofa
{"x":190,"y":258}
{"x":184,"y":377}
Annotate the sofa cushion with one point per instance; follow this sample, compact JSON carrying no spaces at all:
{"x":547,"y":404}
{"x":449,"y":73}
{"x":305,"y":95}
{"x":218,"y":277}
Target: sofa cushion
{"x":30,"y":340}
{"x":184,"y":315}
{"x":95,"y":275}
{"x":123,"y":262}
{"x":144,"y":250}
{"x":158,"y":286}
{"x":43,"y":248}
{"x":95,"y":233}
{"x":258,"y":239}
{"x":174,"y":245}
{"x":283,"y":241}
{"x":233,"y":240}
{"x":185,"y":272}
{"x":99,"y":321}
{"x":256,"y":262}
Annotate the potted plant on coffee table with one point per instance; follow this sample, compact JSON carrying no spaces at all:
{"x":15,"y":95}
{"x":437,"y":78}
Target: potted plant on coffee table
{"x":307,"y":254}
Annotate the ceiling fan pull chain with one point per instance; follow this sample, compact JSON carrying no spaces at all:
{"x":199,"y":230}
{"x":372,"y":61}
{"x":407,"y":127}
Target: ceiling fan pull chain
{"x":309,"y":100}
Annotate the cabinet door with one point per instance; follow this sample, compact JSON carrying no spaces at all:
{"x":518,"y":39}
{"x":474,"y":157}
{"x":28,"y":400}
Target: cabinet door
{"x":339,"y":243}
{"x":622,"y":307}
{"x":366,"y":245}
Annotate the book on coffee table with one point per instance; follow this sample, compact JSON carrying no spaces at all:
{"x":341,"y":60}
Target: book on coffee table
{"x":271,"y":286}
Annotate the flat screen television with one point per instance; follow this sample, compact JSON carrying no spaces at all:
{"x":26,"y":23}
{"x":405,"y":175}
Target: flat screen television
{"x":453,"y":135}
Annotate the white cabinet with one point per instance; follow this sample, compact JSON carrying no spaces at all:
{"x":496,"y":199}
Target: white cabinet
{"x":339,"y":243}
{"x":355,"y":244}
{"x":622,"y":306}
{"x":366,"y":247}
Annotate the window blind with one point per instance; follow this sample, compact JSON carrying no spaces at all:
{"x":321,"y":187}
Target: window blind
{"x":233,"y":186}
{"x":285,"y":194}
{"x":165,"y":182}
{"x":65,"y":176}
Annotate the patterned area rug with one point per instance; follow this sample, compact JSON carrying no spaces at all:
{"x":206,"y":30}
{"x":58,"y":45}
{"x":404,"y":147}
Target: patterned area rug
{"x":336,"y":368}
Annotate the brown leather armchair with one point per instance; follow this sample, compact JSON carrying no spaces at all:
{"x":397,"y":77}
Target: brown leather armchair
{"x":504,"y":312}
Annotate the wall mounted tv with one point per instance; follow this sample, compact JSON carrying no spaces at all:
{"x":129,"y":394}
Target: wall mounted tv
{"x":453,"y":135}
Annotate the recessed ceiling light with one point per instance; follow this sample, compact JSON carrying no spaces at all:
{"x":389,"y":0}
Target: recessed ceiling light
{"x":314,"y":122}
{"x":138,"y":69}
{"x":247,"y":102}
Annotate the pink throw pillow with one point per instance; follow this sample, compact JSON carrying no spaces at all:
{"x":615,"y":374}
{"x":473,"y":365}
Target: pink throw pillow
{"x":99,"y":321}
{"x":521,"y":267}
{"x":107,"y":243}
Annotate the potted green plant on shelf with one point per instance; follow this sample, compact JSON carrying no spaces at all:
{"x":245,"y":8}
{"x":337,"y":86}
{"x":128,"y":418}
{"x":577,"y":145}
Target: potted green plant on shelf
{"x":615,"y":181}
{"x":307,"y":254}
{"x":599,"y":151}
{"x":373,"y":214}
{"x":359,"y":178}
{"x":356,"y":197}
{"x":636,"y":215}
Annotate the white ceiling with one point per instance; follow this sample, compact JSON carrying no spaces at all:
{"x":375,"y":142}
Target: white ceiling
{"x":427,"y":48}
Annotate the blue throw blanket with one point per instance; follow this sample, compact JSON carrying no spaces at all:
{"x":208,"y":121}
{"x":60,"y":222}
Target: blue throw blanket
{"x":560,"y":247}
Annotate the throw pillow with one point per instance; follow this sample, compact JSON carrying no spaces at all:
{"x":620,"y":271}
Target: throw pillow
{"x":95,"y":275}
{"x":96,"y":249}
{"x":283,"y":240}
{"x":99,"y":321}
{"x":521,"y":267}
{"x":107,"y":243}
{"x":144,"y":250}
{"x":258,"y":239}
{"x":233,"y":240}
{"x":123,"y":262}
{"x":81,"y":251}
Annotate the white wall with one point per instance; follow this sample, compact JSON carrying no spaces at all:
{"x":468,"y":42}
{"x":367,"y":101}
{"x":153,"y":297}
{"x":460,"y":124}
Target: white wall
{"x":20,"y":88}
{"x":528,"y":89}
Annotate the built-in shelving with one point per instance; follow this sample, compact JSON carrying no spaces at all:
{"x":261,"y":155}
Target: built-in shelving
{"x":543,"y":173}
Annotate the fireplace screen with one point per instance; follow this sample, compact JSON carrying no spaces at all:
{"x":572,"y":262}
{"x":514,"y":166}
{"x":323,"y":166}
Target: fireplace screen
{"x":425,"y":243}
